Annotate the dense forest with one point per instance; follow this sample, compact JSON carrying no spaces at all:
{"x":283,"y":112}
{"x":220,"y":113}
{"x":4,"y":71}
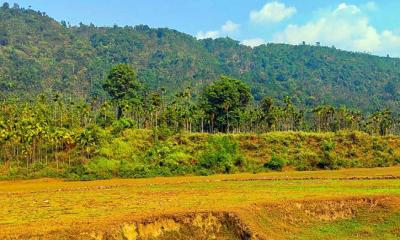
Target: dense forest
{"x":39,"y":54}
{"x":143,"y":133}
{"x":96,"y":102}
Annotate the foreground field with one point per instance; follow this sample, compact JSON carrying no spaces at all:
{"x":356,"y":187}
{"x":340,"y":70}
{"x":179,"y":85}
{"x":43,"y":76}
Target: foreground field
{"x":345,"y":204}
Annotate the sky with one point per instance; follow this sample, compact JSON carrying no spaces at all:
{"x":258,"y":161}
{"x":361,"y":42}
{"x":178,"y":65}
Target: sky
{"x":371,"y":26}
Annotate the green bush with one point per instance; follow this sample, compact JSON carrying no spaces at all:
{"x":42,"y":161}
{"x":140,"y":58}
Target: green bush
{"x":303,"y":165}
{"x":306,"y":160}
{"x":158,"y":153}
{"x":328,"y":146}
{"x":161,"y":133}
{"x":133,"y":170}
{"x":181,"y":157}
{"x":378,"y":145}
{"x":381,"y":162}
{"x":120,"y":125}
{"x":99,"y":168}
{"x":121,"y":149}
{"x":276,"y":163}
{"x":165,"y":159}
{"x":328,"y":161}
{"x":221,"y":155}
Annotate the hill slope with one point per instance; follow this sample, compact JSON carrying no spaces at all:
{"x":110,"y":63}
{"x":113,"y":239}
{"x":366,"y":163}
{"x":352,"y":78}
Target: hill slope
{"x":38,"y":53}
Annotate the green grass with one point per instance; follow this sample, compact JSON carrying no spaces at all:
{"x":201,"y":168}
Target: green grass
{"x":366,"y":225}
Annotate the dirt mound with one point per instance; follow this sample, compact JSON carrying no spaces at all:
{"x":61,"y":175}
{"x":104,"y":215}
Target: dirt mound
{"x":330,"y":210}
{"x":198,"y":226}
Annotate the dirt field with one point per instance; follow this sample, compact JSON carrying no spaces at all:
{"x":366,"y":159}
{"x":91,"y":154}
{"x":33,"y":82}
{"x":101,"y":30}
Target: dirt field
{"x":344,"y":204}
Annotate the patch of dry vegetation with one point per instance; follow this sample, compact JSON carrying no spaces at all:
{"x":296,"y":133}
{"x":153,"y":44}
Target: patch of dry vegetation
{"x":276,"y":204}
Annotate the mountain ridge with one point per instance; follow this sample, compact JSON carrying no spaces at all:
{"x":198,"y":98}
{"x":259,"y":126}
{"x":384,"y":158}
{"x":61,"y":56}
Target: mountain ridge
{"x":38,"y":54}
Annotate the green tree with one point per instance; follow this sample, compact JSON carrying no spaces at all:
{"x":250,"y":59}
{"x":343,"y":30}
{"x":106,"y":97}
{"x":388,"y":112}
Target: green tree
{"x":122,"y":85}
{"x":223,"y":98}
{"x":268,"y":115}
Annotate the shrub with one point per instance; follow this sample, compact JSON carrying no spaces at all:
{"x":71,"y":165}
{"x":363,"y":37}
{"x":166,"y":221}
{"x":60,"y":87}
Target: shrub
{"x":37,"y":166}
{"x":77,"y":172}
{"x":121,"y":149}
{"x":303,"y":166}
{"x":381,"y":162}
{"x":132,"y":170}
{"x":240,"y":162}
{"x":158,"y":152}
{"x":351,"y":153}
{"x":391,"y":151}
{"x":120,"y":125}
{"x":328,"y":161}
{"x":328,"y":146}
{"x":164,"y":159}
{"x":276,"y":163}
{"x":181,"y":157}
{"x":377,"y":146}
{"x":102,"y":168}
{"x":221,"y":155}
{"x":306,"y":161}
{"x":161,"y":133}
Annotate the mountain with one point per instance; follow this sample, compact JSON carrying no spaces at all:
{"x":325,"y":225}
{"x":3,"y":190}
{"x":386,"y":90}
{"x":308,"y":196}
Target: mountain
{"x":40,"y":54}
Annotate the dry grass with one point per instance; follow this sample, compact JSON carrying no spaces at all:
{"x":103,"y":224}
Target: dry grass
{"x":40,"y":207}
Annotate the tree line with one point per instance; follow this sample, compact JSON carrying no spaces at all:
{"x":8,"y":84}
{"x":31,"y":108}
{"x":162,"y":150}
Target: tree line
{"x":54,"y":128}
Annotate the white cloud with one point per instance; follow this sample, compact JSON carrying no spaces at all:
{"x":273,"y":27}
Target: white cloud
{"x":345,"y":8}
{"x":230,"y":27}
{"x":272,"y":12}
{"x":209,"y":34}
{"x":254,"y":42}
{"x":345,"y":27}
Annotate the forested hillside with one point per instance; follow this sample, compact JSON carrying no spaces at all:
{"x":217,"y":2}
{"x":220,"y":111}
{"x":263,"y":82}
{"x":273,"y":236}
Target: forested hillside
{"x":39,"y":54}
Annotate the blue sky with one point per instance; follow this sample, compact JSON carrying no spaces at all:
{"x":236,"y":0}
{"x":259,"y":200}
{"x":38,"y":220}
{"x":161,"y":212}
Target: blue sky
{"x":358,"y":25}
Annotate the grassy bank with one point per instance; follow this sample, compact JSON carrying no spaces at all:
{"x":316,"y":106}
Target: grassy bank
{"x":143,"y":153}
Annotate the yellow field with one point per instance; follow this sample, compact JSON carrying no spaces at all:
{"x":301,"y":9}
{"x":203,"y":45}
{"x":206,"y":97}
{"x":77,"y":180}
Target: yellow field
{"x":267,"y":205}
